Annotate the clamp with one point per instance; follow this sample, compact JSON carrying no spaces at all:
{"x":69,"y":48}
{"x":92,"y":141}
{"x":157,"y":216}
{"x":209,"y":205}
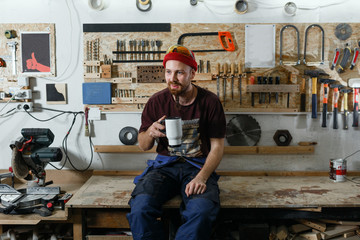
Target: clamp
{"x":322,"y":42}
{"x":298,"y":42}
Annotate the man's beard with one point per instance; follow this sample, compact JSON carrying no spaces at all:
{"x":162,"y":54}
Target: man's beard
{"x":176,"y":92}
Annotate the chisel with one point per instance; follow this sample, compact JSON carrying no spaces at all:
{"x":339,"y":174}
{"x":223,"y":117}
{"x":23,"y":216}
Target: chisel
{"x":259,"y":81}
{"x":356,"y":108}
{"x":263,"y":95}
{"x":252,"y":82}
{"x":277,"y":81}
{"x":232,"y":71}
{"x":224,"y":79}
{"x":270,"y":82}
{"x":240,"y":78}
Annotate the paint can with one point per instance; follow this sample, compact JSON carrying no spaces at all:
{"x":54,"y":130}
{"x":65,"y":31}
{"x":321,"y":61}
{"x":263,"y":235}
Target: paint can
{"x":337,"y":171}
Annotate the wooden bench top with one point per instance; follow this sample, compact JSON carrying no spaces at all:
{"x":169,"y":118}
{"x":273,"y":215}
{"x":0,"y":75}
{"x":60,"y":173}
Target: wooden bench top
{"x":235,"y":192}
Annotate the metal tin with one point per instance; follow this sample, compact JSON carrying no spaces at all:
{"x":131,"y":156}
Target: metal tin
{"x":337,"y":171}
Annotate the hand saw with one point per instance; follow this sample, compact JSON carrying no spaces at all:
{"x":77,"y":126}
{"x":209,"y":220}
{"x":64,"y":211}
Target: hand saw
{"x":225,"y":39}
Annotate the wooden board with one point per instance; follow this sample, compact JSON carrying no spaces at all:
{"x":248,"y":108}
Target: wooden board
{"x":289,"y":75}
{"x":9,"y":81}
{"x":227,"y":149}
{"x":235,"y":192}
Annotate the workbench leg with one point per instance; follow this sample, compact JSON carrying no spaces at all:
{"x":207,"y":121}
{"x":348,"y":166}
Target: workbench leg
{"x":1,"y":229}
{"x":77,"y":224}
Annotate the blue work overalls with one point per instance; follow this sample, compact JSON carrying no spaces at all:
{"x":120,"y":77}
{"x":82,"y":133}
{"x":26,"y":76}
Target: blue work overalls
{"x":165,"y":178}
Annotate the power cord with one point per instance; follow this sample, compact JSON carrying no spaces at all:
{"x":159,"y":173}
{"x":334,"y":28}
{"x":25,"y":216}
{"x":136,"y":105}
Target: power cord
{"x":64,"y":142}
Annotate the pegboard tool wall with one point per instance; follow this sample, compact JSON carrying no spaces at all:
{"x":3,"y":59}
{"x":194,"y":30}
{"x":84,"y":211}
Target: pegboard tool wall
{"x":7,"y":78}
{"x":124,"y":74}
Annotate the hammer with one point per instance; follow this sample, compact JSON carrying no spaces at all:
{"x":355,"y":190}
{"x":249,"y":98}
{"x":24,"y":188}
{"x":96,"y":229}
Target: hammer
{"x":355,"y":84}
{"x":326,"y":82}
{"x":346,"y":112}
{"x":336,"y":88}
{"x":314,"y":74}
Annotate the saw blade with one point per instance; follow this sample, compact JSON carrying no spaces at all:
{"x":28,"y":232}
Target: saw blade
{"x":18,"y":164}
{"x":243,"y":130}
{"x":343,"y":31}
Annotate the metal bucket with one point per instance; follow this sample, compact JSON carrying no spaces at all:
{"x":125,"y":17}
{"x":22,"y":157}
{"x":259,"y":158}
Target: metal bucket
{"x":337,"y":171}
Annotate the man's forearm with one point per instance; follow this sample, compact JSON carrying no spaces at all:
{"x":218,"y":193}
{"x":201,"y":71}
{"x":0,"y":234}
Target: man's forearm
{"x":146,"y":141}
{"x":213,"y":159}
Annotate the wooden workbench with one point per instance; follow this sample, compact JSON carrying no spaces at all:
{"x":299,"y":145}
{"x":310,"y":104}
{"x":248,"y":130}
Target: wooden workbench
{"x":69,"y":181}
{"x":107,"y":194}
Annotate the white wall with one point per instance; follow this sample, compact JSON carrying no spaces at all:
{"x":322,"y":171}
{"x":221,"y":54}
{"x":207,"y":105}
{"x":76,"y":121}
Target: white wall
{"x":69,"y":16}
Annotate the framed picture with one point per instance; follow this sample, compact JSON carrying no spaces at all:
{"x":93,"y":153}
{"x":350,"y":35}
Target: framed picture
{"x":56,"y":93}
{"x":36,"y":53}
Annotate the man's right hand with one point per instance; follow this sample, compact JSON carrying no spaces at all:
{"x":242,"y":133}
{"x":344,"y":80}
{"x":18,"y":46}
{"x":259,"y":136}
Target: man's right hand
{"x":156,"y":129}
{"x":147,"y":139}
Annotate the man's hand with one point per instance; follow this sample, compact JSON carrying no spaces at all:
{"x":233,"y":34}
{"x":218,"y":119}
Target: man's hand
{"x":155,"y":129}
{"x":195,"y":186}
{"x":32,"y":63}
{"x":146,"y":139}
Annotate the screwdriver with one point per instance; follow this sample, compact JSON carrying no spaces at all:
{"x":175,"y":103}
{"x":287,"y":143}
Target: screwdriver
{"x":232,"y":70}
{"x":240,"y":78}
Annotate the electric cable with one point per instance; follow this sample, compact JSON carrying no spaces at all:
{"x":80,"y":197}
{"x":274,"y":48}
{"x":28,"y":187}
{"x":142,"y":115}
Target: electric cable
{"x":6,"y":114}
{"x":59,"y":78}
{"x":12,"y":98}
{"x":352,"y":154}
{"x":261,"y":5}
{"x":64,"y":141}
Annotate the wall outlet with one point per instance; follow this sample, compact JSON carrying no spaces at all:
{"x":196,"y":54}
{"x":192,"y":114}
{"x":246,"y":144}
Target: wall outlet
{"x":25,"y":105}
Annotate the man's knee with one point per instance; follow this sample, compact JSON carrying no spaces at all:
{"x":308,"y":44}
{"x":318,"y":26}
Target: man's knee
{"x":202,"y":208}
{"x":144,"y":204}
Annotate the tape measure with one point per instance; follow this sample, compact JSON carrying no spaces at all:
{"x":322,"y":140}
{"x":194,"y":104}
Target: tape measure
{"x":128,"y":135}
{"x":2,"y":63}
{"x":10,"y":34}
{"x":144,"y":2}
{"x":241,"y":6}
{"x":143,"y":5}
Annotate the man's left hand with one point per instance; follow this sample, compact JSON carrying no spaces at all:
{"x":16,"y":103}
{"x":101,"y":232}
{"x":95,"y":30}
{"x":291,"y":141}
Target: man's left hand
{"x":195,"y":186}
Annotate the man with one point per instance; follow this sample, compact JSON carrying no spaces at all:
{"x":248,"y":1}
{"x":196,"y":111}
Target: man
{"x":188,"y":169}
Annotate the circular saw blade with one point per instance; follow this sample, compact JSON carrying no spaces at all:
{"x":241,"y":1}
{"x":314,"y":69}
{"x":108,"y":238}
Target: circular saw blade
{"x":18,"y":164}
{"x":243,"y":130}
{"x":343,"y":31}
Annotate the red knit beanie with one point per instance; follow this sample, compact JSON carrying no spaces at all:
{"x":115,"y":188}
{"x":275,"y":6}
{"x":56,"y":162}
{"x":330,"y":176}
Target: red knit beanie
{"x":182,"y":54}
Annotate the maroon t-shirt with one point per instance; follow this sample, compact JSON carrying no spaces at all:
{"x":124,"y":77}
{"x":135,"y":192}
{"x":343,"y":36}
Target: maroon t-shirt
{"x":202,"y":120}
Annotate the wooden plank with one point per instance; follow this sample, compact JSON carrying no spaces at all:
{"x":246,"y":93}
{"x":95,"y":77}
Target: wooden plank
{"x":77,"y":224}
{"x":204,"y":77}
{"x":310,"y":236}
{"x":235,"y":192}
{"x":240,"y":173}
{"x":337,"y":230}
{"x":297,"y":228}
{"x":286,"y":149}
{"x":313,"y":224}
{"x":339,"y":222}
{"x":227,"y":149}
